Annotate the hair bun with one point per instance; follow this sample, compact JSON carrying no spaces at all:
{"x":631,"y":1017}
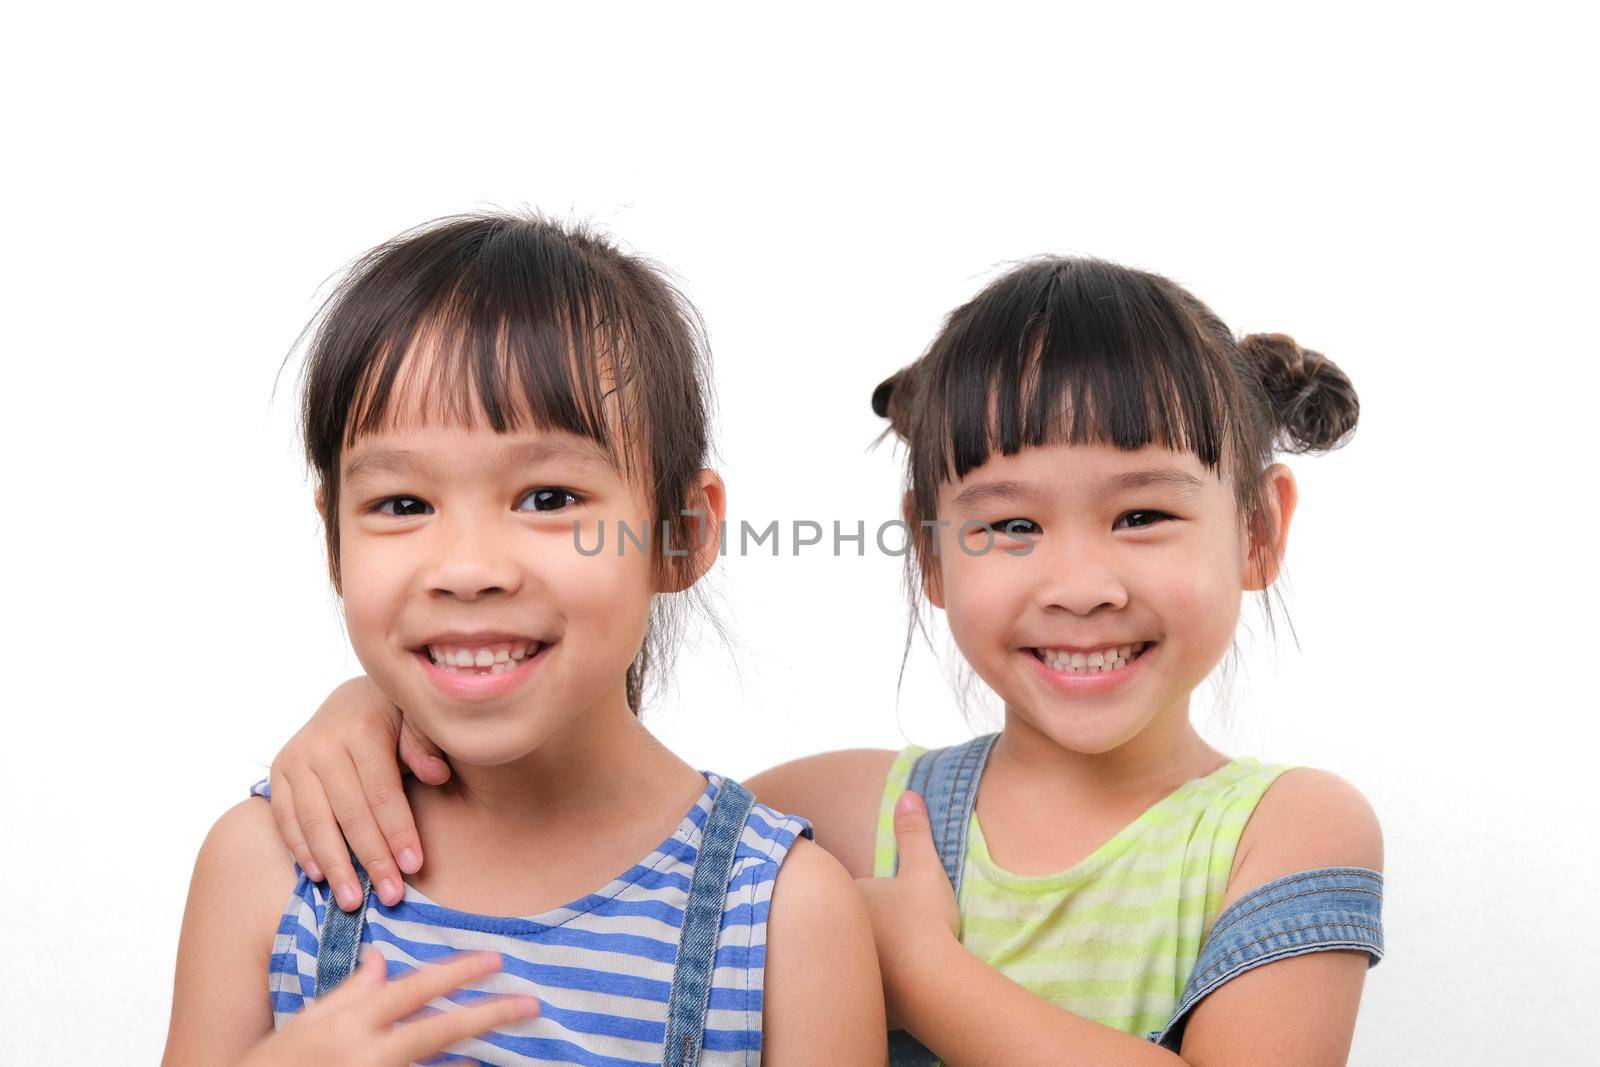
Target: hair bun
{"x":1311,"y":398}
{"x":893,"y":400}
{"x":880,"y":396}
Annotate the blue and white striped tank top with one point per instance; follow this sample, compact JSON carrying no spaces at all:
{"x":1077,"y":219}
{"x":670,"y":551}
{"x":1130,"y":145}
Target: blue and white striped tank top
{"x":601,"y":967}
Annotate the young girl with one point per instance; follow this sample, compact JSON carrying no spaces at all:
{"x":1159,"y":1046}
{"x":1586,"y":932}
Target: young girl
{"x":1091,"y":490}
{"x":484,"y":396}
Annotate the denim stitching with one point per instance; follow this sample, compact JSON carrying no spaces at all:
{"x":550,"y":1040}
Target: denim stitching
{"x":1267,"y":890}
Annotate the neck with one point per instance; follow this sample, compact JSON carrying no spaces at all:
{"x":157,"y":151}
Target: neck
{"x":1166,"y":753}
{"x":572,"y":776}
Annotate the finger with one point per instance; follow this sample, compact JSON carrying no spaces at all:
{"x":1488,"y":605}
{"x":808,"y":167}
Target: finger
{"x":405,"y":995}
{"x":327,"y":843}
{"x":386,"y":796}
{"x":282,"y":799}
{"x":367,"y":979}
{"x":436,"y":1032}
{"x":348,"y":798}
{"x":424,"y":758}
{"x":913,"y":836}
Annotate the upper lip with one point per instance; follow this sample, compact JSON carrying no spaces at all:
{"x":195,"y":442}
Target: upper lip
{"x":1092,"y":648}
{"x":472,"y":638}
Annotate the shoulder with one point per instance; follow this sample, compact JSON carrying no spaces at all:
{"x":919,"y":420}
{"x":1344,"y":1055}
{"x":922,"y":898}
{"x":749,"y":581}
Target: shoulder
{"x":1307,"y":818}
{"x":245,"y":836}
{"x":821,"y":964}
{"x":244,"y":871}
{"x":243,"y":878}
{"x":838,"y":793}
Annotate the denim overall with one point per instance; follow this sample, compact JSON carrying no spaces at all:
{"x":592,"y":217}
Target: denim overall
{"x":340,"y":938}
{"x":1308,"y":911}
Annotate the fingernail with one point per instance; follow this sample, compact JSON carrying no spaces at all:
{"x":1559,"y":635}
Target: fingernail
{"x":409,"y":861}
{"x":909,"y":801}
{"x":313,"y":872}
{"x":348,"y":895}
{"x":389,"y":891}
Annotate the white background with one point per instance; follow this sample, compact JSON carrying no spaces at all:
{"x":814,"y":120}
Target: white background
{"x":1407,"y":190}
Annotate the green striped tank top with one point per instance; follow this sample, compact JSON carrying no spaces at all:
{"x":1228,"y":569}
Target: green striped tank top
{"x":1114,"y":937}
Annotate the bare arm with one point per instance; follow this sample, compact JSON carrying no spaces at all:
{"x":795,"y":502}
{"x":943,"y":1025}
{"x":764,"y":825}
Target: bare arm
{"x":242,"y":880}
{"x":824,"y":1001}
{"x":839,"y":792}
{"x":1298,"y":1010}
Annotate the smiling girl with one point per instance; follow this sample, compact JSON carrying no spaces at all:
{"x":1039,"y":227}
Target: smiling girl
{"x":481,"y":393}
{"x":1092,"y":488}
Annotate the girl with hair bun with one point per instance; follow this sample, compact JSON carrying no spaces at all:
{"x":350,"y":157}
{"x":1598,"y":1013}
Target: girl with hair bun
{"x":1092,"y":488}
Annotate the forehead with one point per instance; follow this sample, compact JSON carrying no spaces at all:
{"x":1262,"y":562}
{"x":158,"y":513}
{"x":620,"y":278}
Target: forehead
{"x":1085,"y":472}
{"x":430,"y":449}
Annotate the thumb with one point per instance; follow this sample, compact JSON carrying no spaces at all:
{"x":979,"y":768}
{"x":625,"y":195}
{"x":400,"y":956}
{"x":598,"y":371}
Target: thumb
{"x":913,"y":836}
{"x":422,"y":755}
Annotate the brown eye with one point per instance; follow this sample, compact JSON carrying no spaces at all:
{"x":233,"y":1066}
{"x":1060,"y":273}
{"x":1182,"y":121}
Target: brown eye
{"x":1150,"y":518}
{"x":404,"y":506}
{"x":1019,"y":528}
{"x":550,"y":498}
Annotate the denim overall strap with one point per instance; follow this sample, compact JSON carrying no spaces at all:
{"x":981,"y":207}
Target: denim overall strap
{"x":947,"y":779}
{"x":1308,"y":911}
{"x":702,"y":920}
{"x":340,"y":939}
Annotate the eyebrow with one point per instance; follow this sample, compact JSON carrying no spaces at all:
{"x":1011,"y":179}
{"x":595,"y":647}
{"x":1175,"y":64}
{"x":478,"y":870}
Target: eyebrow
{"x":401,"y":461}
{"x":1186,"y":485}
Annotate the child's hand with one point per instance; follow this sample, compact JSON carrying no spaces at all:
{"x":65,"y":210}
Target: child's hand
{"x":913,"y":911}
{"x":363,"y":1023}
{"x":340,"y":773}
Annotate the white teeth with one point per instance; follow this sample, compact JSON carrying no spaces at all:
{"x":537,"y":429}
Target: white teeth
{"x":492,"y":659}
{"x":1100,"y":661}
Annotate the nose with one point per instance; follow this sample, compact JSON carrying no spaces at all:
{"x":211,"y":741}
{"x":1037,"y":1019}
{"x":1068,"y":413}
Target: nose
{"x":474,"y":559}
{"x":1080,"y":577}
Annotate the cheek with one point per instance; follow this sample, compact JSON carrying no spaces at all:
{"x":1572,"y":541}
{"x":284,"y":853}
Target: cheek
{"x":980,"y":603}
{"x":373,"y":591}
{"x":605,"y":599}
{"x":1203,"y":589}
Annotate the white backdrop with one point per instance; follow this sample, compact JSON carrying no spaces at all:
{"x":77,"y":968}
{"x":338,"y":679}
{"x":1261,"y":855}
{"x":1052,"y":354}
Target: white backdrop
{"x":1409,"y":191}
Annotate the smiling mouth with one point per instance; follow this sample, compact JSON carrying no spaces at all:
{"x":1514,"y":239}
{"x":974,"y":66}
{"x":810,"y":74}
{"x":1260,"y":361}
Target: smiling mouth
{"x":499,"y":658}
{"x":1098,"y":661}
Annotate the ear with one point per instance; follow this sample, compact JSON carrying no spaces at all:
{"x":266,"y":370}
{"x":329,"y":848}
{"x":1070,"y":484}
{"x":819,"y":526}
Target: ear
{"x":708,"y":500}
{"x":928,"y":567}
{"x":1263,"y":557}
{"x":322,"y":504}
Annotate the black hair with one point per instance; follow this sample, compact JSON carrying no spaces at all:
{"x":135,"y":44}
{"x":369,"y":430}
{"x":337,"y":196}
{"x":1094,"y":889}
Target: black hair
{"x":1070,"y":350}
{"x":536,"y":324}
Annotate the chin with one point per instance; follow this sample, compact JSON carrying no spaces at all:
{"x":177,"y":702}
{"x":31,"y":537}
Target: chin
{"x":1089,"y":736}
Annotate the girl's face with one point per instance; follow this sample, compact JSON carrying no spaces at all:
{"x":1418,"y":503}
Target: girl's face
{"x":465,"y":596}
{"x":1134,"y":569}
